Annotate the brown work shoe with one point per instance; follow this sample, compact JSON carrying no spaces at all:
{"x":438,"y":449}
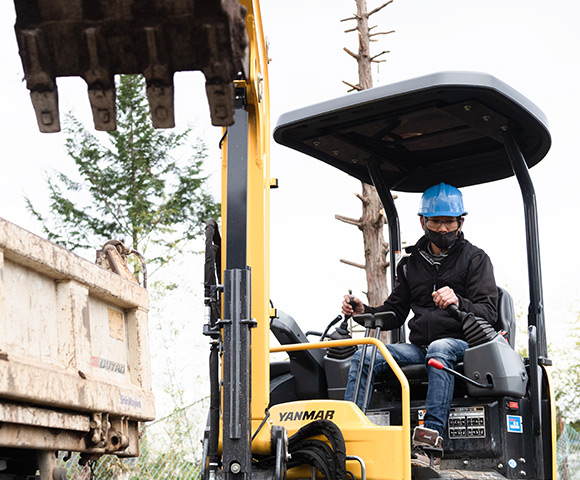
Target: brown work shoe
{"x":427,"y":448}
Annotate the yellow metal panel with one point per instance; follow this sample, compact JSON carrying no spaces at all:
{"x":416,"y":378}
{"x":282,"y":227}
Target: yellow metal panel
{"x":548,"y":395}
{"x":259,"y":208}
{"x":386,"y":451}
{"x":258,"y":220}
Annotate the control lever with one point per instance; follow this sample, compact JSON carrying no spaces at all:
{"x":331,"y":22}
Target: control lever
{"x":439,"y":366}
{"x":457,"y":314}
{"x":367,"y":320}
{"x":351,"y":303}
{"x":328,"y":327}
{"x":386,"y":321}
{"x":380,"y":321}
{"x":477,"y":330}
{"x":343,"y":327}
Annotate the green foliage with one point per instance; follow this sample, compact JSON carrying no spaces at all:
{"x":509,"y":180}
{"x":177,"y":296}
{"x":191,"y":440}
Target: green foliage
{"x":565,"y":371}
{"x":566,"y":374}
{"x":130,"y":188}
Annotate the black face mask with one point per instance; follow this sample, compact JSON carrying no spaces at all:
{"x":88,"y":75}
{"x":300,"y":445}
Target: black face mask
{"x":442,"y":240}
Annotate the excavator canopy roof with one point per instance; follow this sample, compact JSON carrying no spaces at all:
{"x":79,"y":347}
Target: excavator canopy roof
{"x":442,"y":127}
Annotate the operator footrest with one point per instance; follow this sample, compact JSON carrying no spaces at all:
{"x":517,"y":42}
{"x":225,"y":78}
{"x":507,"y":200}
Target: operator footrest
{"x":433,"y":453}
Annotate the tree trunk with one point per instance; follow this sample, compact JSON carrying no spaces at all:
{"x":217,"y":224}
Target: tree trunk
{"x":372,"y":220}
{"x":372,"y":217}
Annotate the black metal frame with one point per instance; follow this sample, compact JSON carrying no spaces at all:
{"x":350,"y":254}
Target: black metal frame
{"x":237,"y":322}
{"x":537,"y":332}
{"x":537,"y":344}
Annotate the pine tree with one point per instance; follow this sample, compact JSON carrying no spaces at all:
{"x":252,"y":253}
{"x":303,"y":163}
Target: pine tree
{"x":131,"y":188}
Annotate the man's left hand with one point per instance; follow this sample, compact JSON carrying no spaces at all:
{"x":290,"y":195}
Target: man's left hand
{"x":444,"y":297}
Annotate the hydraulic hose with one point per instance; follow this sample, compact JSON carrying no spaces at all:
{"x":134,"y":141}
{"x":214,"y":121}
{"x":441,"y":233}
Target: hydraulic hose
{"x":212,"y":271}
{"x":214,"y":406}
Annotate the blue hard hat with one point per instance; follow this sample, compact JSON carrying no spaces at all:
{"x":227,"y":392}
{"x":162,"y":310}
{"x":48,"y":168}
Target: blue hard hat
{"x":442,"y":201}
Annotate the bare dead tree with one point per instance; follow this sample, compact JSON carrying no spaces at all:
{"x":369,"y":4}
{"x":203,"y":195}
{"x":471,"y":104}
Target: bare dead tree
{"x":372,"y":220}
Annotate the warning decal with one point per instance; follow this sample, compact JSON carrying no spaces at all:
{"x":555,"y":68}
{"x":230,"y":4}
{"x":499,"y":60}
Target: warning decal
{"x":514,"y":424}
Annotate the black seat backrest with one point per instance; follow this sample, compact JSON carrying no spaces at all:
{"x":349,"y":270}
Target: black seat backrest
{"x":307,"y":366}
{"x":506,"y":318}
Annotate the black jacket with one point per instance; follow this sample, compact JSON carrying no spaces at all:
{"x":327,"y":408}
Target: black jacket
{"x":466,"y":269}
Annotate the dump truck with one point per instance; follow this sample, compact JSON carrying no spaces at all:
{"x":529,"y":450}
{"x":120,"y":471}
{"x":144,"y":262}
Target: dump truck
{"x":74,"y":343}
{"x":74,"y":356}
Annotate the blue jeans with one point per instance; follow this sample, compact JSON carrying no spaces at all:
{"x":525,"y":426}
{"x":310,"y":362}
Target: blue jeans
{"x":449,"y":351}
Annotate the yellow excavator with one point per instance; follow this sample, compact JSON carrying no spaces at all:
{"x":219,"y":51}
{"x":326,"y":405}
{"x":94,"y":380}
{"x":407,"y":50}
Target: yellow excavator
{"x":276,"y":420}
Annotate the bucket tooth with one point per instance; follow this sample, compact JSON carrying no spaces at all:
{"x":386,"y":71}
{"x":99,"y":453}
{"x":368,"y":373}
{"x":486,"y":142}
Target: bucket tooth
{"x":98,"y":39}
{"x":218,"y":75}
{"x":161,"y":105}
{"x":39,"y":79}
{"x":159,"y":80}
{"x":104,"y":108}
{"x":46,"y":108}
{"x":221,"y":103}
{"x":100,"y":82}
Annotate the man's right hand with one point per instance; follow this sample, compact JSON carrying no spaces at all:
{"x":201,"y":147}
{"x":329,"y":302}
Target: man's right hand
{"x":347,"y":308}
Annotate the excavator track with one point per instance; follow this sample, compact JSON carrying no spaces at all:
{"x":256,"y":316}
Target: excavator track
{"x":97,"y":39}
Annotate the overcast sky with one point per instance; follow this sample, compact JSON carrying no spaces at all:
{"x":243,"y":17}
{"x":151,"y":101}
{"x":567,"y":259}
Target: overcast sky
{"x":531,"y":45}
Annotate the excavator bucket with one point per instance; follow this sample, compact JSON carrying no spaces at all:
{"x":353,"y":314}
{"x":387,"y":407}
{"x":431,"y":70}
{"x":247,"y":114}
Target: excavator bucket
{"x":98,"y":39}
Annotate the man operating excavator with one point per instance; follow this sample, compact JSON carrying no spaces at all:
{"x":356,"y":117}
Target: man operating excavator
{"x":443,"y":268}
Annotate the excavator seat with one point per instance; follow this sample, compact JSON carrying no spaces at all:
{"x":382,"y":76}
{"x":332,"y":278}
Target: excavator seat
{"x":417,"y":374}
{"x":303,"y":377}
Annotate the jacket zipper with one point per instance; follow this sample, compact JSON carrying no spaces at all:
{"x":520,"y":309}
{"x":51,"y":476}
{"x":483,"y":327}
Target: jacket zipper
{"x":435,"y":266}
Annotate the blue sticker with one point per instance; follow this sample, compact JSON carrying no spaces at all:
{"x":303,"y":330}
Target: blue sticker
{"x":512,"y":463}
{"x":514,"y":424}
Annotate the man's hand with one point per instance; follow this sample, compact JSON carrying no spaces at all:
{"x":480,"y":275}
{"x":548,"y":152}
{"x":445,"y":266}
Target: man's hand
{"x":444,"y":297}
{"x":348,"y":310}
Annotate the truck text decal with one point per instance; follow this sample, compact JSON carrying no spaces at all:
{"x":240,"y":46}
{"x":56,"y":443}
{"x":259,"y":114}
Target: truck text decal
{"x":307,"y":415}
{"x":107,"y":365}
{"x":129,"y":401}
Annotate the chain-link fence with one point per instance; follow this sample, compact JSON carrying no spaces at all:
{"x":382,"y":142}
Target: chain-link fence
{"x":568,"y":449}
{"x":169,"y":448}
